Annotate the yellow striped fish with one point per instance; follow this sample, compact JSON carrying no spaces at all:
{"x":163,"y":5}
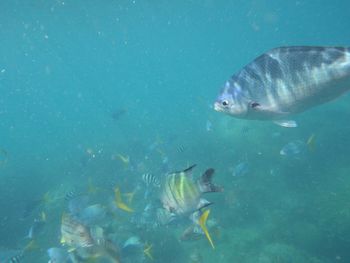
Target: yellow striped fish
{"x":181,"y":195}
{"x":74,"y":234}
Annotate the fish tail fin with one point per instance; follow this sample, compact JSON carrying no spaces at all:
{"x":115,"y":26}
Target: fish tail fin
{"x":148,"y":251}
{"x":205,"y":182}
{"x":43,"y":216}
{"x":311,"y":142}
{"x":130,"y":196}
{"x":32,"y":245}
{"x":47,"y":199}
{"x":125,"y":159}
{"x":119,"y":202}
{"x":202,"y":223}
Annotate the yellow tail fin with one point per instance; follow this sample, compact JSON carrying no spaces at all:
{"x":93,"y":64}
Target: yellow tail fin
{"x":119,"y":202}
{"x":202,"y":222}
{"x":130,"y":196}
{"x":43,"y":216}
{"x":32,"y":245}
{"x":47,"y":199}
{"x":124,"y":159}
{"x":148,"y":251}
{"x":311,"y":142}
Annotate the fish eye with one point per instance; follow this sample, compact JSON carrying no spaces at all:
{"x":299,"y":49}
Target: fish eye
{"x":224,"y":103}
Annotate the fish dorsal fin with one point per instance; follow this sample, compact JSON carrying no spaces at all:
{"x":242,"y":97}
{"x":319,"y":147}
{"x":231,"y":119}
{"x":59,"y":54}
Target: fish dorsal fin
{"x":189,"y":169}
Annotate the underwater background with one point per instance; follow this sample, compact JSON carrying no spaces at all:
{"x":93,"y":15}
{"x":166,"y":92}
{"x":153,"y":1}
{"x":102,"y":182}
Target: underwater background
{"x":85,"y":84}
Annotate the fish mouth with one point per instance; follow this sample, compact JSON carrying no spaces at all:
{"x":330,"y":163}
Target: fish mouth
{"x":217,"y":106}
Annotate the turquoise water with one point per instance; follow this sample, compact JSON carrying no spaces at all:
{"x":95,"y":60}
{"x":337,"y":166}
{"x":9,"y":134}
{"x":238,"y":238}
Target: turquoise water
{"x":84,"y":81}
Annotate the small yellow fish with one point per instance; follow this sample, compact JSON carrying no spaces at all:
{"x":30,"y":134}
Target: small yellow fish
{"x":148,"y":251}
{"x":311,"y":142}
{"x":32,"y":245}
{"x":3,"y":157}
{"x":91,"y":152}
{"x":202,"y":223}
{"x":43,"y":216}
{"x":159,"y":140}
{"x":161,"y":153}
{"x":47,"y":198}
{"x":125,"y":159}
{"x":91,"y":188}
{"x":120,"y":203}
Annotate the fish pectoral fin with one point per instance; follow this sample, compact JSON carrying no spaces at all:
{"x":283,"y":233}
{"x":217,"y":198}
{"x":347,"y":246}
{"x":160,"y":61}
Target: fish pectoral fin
{"x":286,"y":123}
{"x":256,"y":106}
{"x":203,"y":203}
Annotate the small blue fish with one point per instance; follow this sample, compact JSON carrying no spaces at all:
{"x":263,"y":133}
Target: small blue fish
{"x":208,"y":126}
{"x":164,"y":217}
{"x":241,"y":169}
{"x":31,"y":206}
{"x":147,"y":219}
{"x":118,"y":113}
{"x":57,"y":255}
{"x":133,"y":241}
{"x":77,"y":204}
{"x":165,"y":167}
{"x":293,"y":148}
{"x":36,"y":228}
{"x":92,"y":214}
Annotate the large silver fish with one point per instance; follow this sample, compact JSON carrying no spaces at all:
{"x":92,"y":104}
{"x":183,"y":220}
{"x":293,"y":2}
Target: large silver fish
{"x":181,"y":195}
{"x":285,"y":81}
